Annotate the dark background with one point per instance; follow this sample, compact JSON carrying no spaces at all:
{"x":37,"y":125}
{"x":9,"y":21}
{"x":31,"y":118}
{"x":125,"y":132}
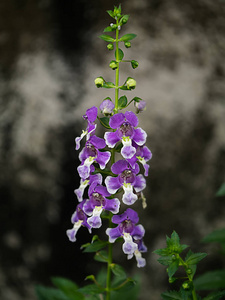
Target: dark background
{"x":50,"y":55}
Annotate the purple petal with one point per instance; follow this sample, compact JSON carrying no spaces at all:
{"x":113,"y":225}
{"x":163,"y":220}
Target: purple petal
{"x":128,"y":151}
{"x":95,"y":221}
{"x":138,"y":232}
{"x":84,"y":171}
{"x":95,"y":178}
{"x":71,"y":233}
{"x":139,"y":136}
{"x":112,"y":205}
{"x":97,"y":142}
{"x":129,"y":214}
{"x":146,"y":153}
{"x":129,"y":246}
{"x":141,"y":262}
{"x":119,"y":166}
{"x":146,"y":167}
{"x":91,"y":130}
{"x":129,"y":197}
{"x":140,"y":183}
{"x":116,"y":120}
{"x":112,"y":184}
{"x":111,"y":139}
{"x":132,"y":161}
{"x":107,"y":107}
{"x":91,"y":114}
{"x":102,"y":190}
{"x":131,"y":118}
{"x":88,"y":207}
{"x":103,"y":158}
{"x":113,"y":233}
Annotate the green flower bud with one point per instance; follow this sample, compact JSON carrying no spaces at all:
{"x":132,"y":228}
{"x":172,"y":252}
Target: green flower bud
{"x":131,"y":84}
{"x":189,"y":271}
{"x":124,"y":19}
{"x":134,"y":64}
{"x":99,"y":82}
{"x":110,"y":46}
{"x":172,"y":279}
{"x":113,"y":65}
{"x":185,"y":286}
{"x":114,"y":26}
{"x":127,"y":44}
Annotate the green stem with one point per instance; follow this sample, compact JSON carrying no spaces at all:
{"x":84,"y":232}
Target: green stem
{"x":117,"y":71}
{"x":109,"y":273}
{"x":194,"y":294}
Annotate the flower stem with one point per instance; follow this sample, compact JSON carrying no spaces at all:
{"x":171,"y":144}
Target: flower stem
{"x":108,"y":281}
{"x":117,"y":70}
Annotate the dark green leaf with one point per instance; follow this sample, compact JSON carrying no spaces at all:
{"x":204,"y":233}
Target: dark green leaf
{"x":120,"y":54}
{"x":215,"y":236}
{"x":122,"y":102}
{"x":124,"y":19}
{"x":44,"y":293}
{"x":124,"y":285}
{"x":127,"y":37}
{"x":171,"y":295}
{"x":195,"y":258}
{"x":136,"y":99}
{"x":101,"y":256}
{"x":215,"y":296}
{"x":108,"y":85}
{"x":105,"y":122}
{"x":162,"y":252}
{"x":124,"y":88}
{"x":221,"y":191}
{"x":173,"y":268}
{"x":210,"y":280}
{"x":118,"y":271}
{"x":96,"y":246}
{"x":108,"y":29}
{"x":91,"y":289}
{"x":111,"y":13}
{"x":68,"y":287}
{"x":165,"y":260}
{"x":106,"y":38}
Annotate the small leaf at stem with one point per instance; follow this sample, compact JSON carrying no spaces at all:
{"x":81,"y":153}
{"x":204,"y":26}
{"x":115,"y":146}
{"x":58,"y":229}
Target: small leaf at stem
{"x":108,"y":85}
{"x":101,"y":256}
{"x":195,"y":258}
{"x":105,"y":122}
{"x":96,"y":246}
{"x":118,"y":271}
{"x":108,"y":29}
{"x":106,"y":38}
{"x":120,"y":54}
{"x":91,"y":289}
{"x":173,"y":268}
{"x":127,"y":37}
{"x":122,"y":102}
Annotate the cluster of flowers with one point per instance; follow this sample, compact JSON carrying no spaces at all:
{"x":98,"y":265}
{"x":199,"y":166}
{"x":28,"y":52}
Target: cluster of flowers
{"x":125,"y":178}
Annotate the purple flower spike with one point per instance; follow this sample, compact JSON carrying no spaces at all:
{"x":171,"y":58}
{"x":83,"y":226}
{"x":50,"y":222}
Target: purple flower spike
{"x":91,"y":154}
{"x":127,"y":229}
{"x":97,"y":202}
{"x":125,"y":123}
{"x":90,"y":116}
{"x":79,"y":219}
{"x":97,"y":178}
{"x":107,"y":107}
{"x":127,"y":179}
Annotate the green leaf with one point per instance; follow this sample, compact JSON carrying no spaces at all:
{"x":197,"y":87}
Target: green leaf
{"x":120,"y":54}
{"x":171,"y":295}
{"x":101,"y":256}
{"x":215,"y":296}
{"x":122,"y":286}
{"x":124,"y":19}
{"x":195,"y":258}
{"x":111,"y":13}
{"x":108,"y":29}
{"x":215,"y":236}
{"x":105,"y":122}
{"x":91,"y":289}
{"x":173,"y":268}
{"x":68,"y":287}
{"x":96,"y":246}
{"x":44,"y":293}
{"x":221,"y":191}
{"x":162,"y":252}
{"x":107,"y":38}
{"x":165,"y":260}
{"x":211,"y":280}
{"x":122,"y":102}
{"x":108,"y":85}
{"x":127,"y":37}
{"x":118,"y":271}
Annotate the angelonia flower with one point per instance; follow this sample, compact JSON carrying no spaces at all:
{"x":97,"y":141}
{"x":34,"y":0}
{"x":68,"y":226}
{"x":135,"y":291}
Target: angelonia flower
{"x":111,"y":165}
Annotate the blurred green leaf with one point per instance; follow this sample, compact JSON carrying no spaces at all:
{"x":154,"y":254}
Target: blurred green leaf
{"x":165,"y":260}
{"x":118,"y":271}
{"x":108,"y":85}
{"x":215,"y":236}
{"x":173,"y":268}
{"x":111,"y":13}
{"x":215,"y":296}
{"x":171,"y":295}
{"x":44,"y":293}
{"x":195,"y":258}
{"x":106,"y":38}
{"x":91,"y":289}
{"x":68,"y":287}
{"x":162,"y":252}
{"x":221,"y":191}
{"x":94,"y":247}
{"x":101,"y":256}
{"x":127,"y":37}
{"x":108,"y":29}
{"x":211,"y":280}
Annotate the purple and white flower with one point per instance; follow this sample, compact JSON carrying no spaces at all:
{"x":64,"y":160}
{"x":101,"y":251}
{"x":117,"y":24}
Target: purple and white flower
{"x":140,"y":106}
{"x":90,"y":116}
{"x":127,"y":179}
{"x":97,"y":178}
{"x":125,"y":132}
{"x":141,"y":262}
{"x":79,"y":219}
{"x":143,"y":154}
{"x":107,"y":107}
{"x":127,"y":230}
{"x":91,"y":154}
{"x":97,"y":202}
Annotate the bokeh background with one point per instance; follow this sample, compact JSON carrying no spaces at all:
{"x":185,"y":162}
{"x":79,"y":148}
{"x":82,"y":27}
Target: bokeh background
{"x":50,"y":55}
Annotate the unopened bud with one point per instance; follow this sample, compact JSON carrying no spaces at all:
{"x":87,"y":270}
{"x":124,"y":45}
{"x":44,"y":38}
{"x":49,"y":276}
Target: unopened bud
{"x":134,"y":64}
{"x":127,"y":44}
{"x":140,"y":106}
{"x":113,"y":65}
{"x":189,"y":271}
{"x":185,"y":285}
{"x":99,"y":82}
{"x":131,"y":84}
{"x":124,"y":19}
{"x":110,"y":46}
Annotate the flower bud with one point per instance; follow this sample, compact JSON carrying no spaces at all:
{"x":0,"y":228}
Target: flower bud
{"x":189,"y":271}
{"x":185,"y":286}
{"x":107,"y":107}
{"x":140,"y":106}
{"x":124,"y":19}
{"x":110,"y":46}
{"x":114,"y":26}
{"x":134,"y":64}
{"x":127,"y":44}
{"x":131,"y":84}
{"x":113,"y":65}
{"x":99,"y":82}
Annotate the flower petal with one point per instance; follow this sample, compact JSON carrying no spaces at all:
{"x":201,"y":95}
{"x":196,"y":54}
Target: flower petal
{"x":139,"y":136}
{"x":131,"y":118}
{"x":140,"y":183}
{"x":138,"y":232}
{"x":111,"y":138}
{"x":97,"y":142}
{"x":112,"y":184}
{"x":128,"y":197}
{"x":113,"y":233}
{"x":112,"y":205}
{"x":103,"y":158}
{"x":116,"y":120}
{"x":129,"y":246}
{"x":79,"y":138}
{"x":119,"y":166}
{"x":91,"y":114}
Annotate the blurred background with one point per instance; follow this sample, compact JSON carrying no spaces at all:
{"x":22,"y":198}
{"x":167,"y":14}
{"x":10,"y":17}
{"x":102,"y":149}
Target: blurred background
{"x":50,"y":55}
